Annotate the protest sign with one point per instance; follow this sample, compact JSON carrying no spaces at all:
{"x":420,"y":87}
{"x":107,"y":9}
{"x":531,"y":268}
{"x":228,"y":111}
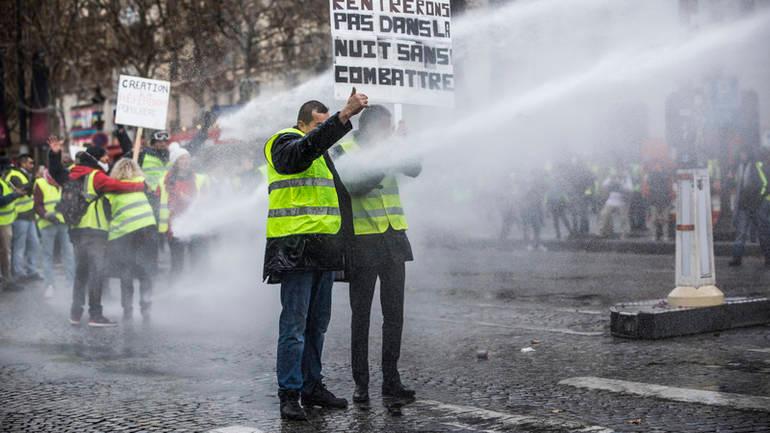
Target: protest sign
{"x":142,"y":102}
{"x":397,"y":51}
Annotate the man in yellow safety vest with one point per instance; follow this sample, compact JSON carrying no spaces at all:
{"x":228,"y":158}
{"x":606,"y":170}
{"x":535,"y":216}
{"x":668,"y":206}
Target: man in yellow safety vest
{"x":308,"y":219}
{"x":53,"y":230}
{"x":380,"y":250}
{"x":25,"y":245}
{"x":8,"y":197}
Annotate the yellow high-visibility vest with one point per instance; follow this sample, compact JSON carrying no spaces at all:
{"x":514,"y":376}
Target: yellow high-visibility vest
{"x":130,"y":212}
{"x":51,"y":197}
{"x":154,"y":169}
{"x":380,"y":208}
{"x":7,"y":212}
{"x":301,"y":203}
{"x":95,"y":217}
{"x":24,"y":203}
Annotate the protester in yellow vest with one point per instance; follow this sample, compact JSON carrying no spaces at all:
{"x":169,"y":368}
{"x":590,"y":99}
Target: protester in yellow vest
{"x":26,"y":245}
{"x":132,"y":240}
{"x":308,"y":218}
{"x":178,"y":189}
{"x":153,"y":159}
{"x":89,"y":236}
{"x":53,"y":230}
{"x":380,"y":250}
{"x":8,"y":197}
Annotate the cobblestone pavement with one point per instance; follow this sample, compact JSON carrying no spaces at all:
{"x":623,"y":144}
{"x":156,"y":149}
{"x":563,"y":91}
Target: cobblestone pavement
{"x":206,"y":361}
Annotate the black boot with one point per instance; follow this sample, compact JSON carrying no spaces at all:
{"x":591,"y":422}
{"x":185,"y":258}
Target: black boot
{"x":320,"y":396}
{"x":736,"y":261}
{"x":361,"y":394}
{"x":397,"y":390}
{"x":290,"y":408}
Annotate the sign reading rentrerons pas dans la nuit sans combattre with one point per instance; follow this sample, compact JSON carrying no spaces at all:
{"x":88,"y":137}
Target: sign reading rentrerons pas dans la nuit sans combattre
{"x":397,"y":51}
{"x":142,"y":102}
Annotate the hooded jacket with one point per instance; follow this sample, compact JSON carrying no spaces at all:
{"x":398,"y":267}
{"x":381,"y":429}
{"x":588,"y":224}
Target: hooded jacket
{"x":292,"y":153}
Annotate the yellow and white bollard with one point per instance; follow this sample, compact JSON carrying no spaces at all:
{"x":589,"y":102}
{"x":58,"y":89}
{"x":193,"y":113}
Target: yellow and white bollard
{"x":695,"y":274}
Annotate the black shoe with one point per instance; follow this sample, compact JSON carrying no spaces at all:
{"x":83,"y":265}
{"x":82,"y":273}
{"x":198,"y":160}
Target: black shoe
{"x":361,"y":394}
{"x":397,"y":390}
{"x":735,"y":262}
{"x":101,"y":322}
{"x":324,"y":398}
{"x":290,"y":408}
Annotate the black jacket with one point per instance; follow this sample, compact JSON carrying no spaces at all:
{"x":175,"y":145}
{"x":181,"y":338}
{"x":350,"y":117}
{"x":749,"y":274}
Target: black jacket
{"x":373,"y":250}
{"x":291,"y":154}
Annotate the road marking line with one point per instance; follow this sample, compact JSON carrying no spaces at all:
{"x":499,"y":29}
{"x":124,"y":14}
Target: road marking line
{"x":468,"y":427}
{"x":236,"y":429}
{"x":561,"y":309}
{"x":522,"y":327}
{"x":458,"y":415}
{"x":686,"y":395}
{"x":767,"y":350}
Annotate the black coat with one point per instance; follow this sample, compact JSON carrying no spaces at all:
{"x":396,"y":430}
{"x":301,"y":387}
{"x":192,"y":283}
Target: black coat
{"x":291,"y":154}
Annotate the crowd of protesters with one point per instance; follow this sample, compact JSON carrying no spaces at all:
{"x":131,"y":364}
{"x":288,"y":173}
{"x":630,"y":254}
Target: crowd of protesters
{"x":103,"y":214}
{"x":585,"y":200}
{"x":624,"y":200}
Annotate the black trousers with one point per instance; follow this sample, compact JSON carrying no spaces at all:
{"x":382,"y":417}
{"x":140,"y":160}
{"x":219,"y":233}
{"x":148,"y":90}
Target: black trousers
{"x":134,"y":257}
{"x":362,"y":281}
{"x":177,"y":247}
{"x":90,"y":250}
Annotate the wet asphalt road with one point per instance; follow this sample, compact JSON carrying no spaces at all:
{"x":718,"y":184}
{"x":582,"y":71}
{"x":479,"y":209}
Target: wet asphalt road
{"x":206,"y":360}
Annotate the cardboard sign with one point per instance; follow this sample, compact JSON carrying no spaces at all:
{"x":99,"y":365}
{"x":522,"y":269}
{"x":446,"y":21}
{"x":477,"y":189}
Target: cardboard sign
{"x":142,"y":102}
{"x":397,"y":51}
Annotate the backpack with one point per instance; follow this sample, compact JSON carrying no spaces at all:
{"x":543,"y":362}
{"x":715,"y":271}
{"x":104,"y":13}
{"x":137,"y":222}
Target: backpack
{"x":74,"y":200}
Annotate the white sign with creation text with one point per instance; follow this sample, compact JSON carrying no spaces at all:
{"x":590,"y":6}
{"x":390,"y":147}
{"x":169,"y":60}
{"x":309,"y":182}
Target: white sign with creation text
{"x":397,"y":51}
{"x":142,"y":102}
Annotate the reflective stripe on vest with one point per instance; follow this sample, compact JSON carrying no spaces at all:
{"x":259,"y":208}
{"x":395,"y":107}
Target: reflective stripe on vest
{"x":154,"y":169}
{"x":24,"y":203}
{"x":763,"y":177}
{"x":201,"y":180}
{"x":130,"y":212}
{"x":51,"y":197}
{"x":7,"y":212}
{"x":301,"y":203}
{"x":380,"y":208}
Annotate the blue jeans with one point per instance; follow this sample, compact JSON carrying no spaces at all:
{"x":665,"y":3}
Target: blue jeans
{"x":26,"y":248}
{"x":48,"y":238}
{"x":306,"y":299}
